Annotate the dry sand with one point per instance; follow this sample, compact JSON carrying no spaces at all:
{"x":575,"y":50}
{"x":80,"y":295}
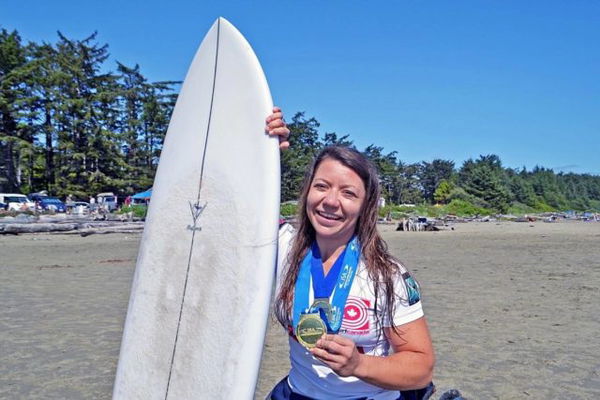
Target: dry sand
{"x":513,"y":309}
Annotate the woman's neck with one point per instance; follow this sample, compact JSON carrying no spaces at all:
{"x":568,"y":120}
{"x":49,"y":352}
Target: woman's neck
{"x":330,"y":250}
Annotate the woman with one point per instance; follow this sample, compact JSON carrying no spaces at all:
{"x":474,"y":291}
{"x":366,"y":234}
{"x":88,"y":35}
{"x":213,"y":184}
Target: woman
{"x":353,"y":312}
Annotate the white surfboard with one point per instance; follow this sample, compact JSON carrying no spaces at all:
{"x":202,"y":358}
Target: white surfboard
{"x":199,"y":303}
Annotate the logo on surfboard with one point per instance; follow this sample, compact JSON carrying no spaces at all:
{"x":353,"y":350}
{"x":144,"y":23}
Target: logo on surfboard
{"x":196,"y":209}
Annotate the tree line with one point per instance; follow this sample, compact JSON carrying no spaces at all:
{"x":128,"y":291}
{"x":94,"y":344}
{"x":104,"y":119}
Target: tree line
{"x":69,"y":127}
{"x":482,"y":184}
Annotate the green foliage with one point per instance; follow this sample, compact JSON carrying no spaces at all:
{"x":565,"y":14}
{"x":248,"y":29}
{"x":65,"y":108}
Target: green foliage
{"x":138,"y":210}
{"x":540,"y":206}
{"x":393,"y":211}
{"x":486,"y":180}
{"x":442,"y":192}
{"x":458,"y":193}
{"x":429,"y":210}
{"x":521,"y":209}
{"x":288,"y":209}
{"x":304,"y":145}
{"x":456,"y":207}
{"x":594,"y":205}
{"x":463,"y":208}
{"x":432,"y":175}
{"x":386,"y":165}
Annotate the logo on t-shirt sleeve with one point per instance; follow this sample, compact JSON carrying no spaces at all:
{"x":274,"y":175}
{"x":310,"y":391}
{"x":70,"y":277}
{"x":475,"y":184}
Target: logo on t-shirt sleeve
{"x":412,"y":288}
{"x":356,"y":316}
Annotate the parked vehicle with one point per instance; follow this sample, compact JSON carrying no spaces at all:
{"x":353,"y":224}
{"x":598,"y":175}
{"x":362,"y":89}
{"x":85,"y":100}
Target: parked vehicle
{"x":79,"y":207}
{"x":16,"y":202}
{"x":83,"y":204}
{"x":107,"y":201}
{"x":37,"y":196}
{"x":51,"y":204}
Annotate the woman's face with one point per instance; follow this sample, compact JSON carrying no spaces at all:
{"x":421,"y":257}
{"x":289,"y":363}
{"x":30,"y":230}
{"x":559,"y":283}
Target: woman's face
{"x":334,"y":201}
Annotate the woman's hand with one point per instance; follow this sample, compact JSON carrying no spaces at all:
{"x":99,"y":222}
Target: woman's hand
{"x":409,"y":367}
{"x":339,"y":353}
{"x":276,"y":127}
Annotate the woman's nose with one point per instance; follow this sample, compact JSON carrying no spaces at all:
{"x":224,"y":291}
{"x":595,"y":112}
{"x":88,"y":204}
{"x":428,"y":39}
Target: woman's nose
{"x":331,"y":199}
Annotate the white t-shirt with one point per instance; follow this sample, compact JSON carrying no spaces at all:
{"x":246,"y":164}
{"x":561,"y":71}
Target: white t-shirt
{"x":310,"y":377}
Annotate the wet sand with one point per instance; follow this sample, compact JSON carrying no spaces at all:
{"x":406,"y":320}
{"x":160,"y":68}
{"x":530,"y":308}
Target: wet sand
{"x":513,"y":309}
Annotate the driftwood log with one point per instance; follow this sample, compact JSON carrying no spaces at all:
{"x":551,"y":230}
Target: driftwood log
{"x":129,"y":228}
{"x":83,"y":229}
{"x":15,"y":229}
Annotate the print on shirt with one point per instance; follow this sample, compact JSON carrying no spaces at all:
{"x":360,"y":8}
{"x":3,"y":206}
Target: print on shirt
{"x":412,"y":288}
{"x":356,"y":316}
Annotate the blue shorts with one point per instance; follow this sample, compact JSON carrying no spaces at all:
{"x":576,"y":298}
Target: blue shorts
{"x":283,"y":391}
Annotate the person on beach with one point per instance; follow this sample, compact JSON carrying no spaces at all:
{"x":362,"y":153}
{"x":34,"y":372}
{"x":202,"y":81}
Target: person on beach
{"x":352,"y":311}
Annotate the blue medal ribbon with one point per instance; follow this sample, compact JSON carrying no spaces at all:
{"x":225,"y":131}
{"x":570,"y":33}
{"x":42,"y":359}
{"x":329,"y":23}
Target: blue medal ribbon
{"x":338,"y":281}
{"x":323,"y":285}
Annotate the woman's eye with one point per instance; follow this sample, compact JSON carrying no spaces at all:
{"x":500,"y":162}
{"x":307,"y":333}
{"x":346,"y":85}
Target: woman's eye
{"x":349,"y":193}
{"x":320,"y":186}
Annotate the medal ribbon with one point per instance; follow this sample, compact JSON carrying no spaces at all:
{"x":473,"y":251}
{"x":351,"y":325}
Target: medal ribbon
{"x":323,"y":285}
{"x":338,"y":280}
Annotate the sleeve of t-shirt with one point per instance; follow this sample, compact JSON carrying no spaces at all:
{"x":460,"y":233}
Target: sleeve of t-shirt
{"x":408,"y":300}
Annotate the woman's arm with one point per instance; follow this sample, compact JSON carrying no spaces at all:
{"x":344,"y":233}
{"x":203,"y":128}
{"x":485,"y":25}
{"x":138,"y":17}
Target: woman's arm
{"x":410,"y":367}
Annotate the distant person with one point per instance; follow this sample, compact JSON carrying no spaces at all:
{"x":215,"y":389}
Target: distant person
{"x":352,"y":311}
{"x":69,"y":203}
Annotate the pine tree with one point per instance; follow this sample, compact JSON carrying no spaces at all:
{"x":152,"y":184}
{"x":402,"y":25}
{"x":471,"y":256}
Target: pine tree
{"x":12,"y":140}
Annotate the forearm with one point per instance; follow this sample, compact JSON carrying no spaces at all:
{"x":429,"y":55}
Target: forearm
{"x":400,"y":371}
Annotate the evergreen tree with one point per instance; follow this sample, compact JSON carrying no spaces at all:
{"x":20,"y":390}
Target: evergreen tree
{"x":484,"y":179}
{"x":386,"y":166}
{"x":432,"y":174}
{"x":304,"y":145}
{"x":442,"y":192}
{"x":546,"y":187}
{"x":408,"y":188}
{"x":12,"y":140}
{"x":332,"y":139}
{"x":521,"y":189}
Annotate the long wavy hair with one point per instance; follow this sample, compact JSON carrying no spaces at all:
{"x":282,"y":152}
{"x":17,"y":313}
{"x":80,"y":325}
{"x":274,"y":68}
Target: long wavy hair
{"x":381,"y":266}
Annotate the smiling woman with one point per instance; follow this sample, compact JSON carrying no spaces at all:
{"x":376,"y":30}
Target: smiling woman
{"x":333,"y":204}
{"x":352,"y":311}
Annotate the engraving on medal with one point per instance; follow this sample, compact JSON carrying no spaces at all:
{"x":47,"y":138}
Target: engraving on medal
{"x":309,"y":330}
{"x":196,"y":209}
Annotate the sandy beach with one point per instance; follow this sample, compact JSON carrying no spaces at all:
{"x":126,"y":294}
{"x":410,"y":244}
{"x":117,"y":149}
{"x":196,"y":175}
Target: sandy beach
{"x":513,"y":309}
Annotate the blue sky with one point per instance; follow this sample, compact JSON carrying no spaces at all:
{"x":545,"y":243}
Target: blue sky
{"x":428,"y":79}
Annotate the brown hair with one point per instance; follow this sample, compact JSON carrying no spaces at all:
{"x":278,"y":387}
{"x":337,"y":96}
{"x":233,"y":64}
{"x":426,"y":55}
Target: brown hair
{"x":381,"y":266}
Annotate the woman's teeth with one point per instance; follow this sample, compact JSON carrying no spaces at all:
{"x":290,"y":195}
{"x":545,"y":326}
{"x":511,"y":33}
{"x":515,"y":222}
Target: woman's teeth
{"x":328,"y":215}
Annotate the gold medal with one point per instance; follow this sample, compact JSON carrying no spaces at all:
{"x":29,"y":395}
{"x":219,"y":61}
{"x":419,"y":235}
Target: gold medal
{"x":310,"y":329}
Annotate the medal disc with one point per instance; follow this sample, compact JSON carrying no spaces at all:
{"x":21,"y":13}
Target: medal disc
{"x":310,"y":329}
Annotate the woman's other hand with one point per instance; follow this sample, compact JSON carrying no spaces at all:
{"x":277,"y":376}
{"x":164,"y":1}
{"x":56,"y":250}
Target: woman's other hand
{"x":275,"y":126}
{"x":339,"y":353}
